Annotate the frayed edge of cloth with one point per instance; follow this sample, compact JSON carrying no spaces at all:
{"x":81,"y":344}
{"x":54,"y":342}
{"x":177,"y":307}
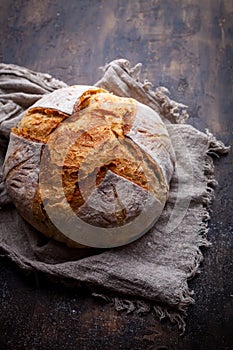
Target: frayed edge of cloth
{"x":142,"y":307}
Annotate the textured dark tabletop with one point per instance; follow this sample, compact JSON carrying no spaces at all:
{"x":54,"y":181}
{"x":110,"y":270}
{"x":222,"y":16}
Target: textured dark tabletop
{"x":185,"y":45}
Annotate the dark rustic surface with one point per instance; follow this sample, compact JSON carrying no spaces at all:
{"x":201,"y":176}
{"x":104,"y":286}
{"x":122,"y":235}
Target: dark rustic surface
{"x":185,"y":45}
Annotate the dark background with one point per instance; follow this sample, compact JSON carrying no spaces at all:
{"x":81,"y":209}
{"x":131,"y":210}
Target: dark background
{"x":185,"y":45}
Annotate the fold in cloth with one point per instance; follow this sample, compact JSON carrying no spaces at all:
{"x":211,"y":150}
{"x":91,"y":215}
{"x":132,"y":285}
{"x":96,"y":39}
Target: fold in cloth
{"x":151,"y":273}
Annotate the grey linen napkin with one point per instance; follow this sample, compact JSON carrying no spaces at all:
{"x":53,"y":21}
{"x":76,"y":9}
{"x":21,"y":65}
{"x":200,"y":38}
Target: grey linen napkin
{"x":153,"y":272}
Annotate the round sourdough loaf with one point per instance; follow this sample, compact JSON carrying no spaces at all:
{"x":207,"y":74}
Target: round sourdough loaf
{"x":89,"y":168}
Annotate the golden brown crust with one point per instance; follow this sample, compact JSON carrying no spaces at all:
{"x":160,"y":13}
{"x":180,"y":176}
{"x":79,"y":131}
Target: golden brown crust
{"x":84,"y":100}
{"x":38,"y":123}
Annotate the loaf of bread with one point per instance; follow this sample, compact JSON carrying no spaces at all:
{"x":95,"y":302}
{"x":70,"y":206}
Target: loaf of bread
{"x":89,"y":168}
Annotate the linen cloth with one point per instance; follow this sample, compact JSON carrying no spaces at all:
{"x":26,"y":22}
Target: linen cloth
{"x":151,"y":273}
